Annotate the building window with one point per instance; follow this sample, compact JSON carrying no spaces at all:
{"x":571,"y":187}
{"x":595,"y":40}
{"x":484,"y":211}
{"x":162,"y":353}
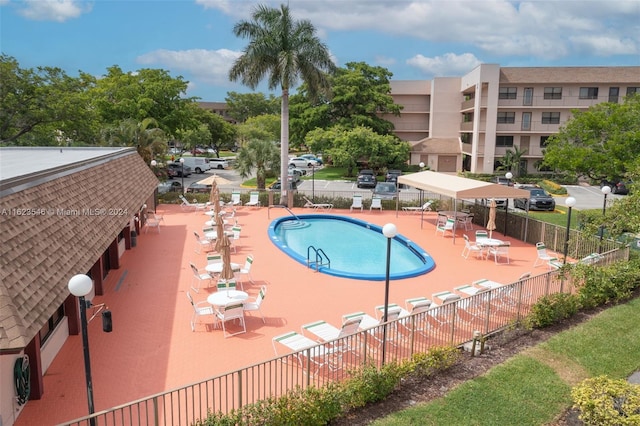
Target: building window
{"x":51,"y":324}
{"x":528,"y":96}
{"x":467,"y":117}
{"x":588,"y":93}
{"x":466,"y":138}
{"x":553,"y":92}
{"x":614,"y":92}
{"x":543,"y":141}
{"x":632,"y":90}
{"x":526,"y":121}
{"x":506,"y":117}
{"x":550,"y":118}
{"x":508,"y":93}
{"x":504,"y":140}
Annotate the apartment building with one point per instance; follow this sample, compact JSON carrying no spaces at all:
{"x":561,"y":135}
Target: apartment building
{"x":470,"y":122}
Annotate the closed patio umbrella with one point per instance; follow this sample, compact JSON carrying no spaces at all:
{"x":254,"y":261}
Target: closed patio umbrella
{"x":225,"y":250}
{"x":491,"y":224}
{"x":219,"y":233}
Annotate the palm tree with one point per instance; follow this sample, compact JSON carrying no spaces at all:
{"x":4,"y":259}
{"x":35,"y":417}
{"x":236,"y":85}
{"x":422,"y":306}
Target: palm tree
{"x":259,"y":154}
{"x":149,"y":140}
{"x":512,"y":160}
{"x":286,"y":51}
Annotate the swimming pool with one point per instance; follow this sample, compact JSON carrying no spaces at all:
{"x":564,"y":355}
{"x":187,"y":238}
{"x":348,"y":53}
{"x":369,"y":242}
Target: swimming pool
{"x":355,"y":248}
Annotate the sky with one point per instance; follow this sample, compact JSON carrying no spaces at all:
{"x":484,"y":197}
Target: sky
{"x":415,"y":40}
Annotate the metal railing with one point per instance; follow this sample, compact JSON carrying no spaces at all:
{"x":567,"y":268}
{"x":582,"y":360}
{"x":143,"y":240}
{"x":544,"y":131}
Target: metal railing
{"x":451,"y":324}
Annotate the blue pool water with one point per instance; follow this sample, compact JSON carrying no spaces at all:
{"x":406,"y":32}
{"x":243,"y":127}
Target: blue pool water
{"x":356,"y":249}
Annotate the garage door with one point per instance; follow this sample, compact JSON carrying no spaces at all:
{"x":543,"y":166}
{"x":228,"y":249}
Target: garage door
{"x":447,"y":163}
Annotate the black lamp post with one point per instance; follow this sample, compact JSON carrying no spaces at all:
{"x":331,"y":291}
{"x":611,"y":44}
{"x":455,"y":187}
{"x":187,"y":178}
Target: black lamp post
{"x":390,"y":231}
{"x":570,"y":202}
{"x":182,"y":172}
{"x":80,"y":285}
{"x":508,"y":175}
{"x":606,"y":190}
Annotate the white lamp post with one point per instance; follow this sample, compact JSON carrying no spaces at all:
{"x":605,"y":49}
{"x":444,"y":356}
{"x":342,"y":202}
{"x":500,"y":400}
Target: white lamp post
{"x":390,"y":231}
{"x":421,"y":199}
{"x":570,"y":202}
{"x":606,"y":190}
{"x":80,"y":285}
{"x":182,"y":173}
{"x":313,"y":183}
{"x":509,"y":176}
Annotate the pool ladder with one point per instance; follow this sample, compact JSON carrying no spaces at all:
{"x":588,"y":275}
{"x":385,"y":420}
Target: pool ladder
{"x":321,"y":258}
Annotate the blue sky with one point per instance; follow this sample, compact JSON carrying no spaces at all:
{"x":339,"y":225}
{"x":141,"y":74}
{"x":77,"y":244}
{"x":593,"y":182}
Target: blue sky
{"x":415,"y":40}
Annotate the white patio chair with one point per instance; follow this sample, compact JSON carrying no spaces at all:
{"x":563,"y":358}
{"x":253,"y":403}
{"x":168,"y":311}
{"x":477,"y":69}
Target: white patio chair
{"x":202,"y":243}
{"x":543,"y":255}
{"x":481,"y":235}
{"x":232,"y":311}
{"x":357,"y":202}
{"x":246,"y":269}
{"x":224,"y":285}
{"x":151,"y":221}
{"x":200,"y":309}
{"x":254,"y":199}
{"x":423,"y":208}
{"x":256,"y":304}
{"x":213,"y":259}
{"x":470,"y":247}
{"x":499,"y":251}
{"x":235,"y":237}
{"x":235,"y":199}
{"x":198,"y":278}
{"x":465,"y":221}
{"x":449,"y":225}
{"x":376,"y":203}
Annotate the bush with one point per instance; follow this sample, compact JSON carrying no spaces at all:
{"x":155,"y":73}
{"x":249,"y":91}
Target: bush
{"x":608,"y":284}
{"x":368,"y":384}
{"x":552,"y":309}
{"x":552,"y":187}
{"x":603,"y":401}
{"x":438,"y":358}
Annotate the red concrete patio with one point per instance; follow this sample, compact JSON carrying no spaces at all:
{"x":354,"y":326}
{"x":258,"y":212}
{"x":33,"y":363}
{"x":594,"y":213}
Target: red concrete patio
{"x":152,"y":347}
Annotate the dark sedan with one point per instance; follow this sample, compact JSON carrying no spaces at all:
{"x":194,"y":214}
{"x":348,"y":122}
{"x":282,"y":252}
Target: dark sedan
{"x":538,"y":200}
{"x":366,"y":179}
{"x":199,"y":188}
{"x":177,"y":168}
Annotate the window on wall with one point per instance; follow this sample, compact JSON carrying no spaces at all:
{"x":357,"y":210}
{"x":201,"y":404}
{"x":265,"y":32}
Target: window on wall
{"x":51,"y":324}
{"x":528,"y":96}
{"x":508,"y":93}
{"x":543,"y":141}
{"x":550,"y":118}
{"x":632,"y":90}
{"x":506,"y":117}
{"x":553,"y":92}
{"x":466,"y":138}
{"x":614,"y":92}
{"x":588,"y":93}
{"x":467,"y":117}
{"x":503,"y":140}
{"x":526,"y":121}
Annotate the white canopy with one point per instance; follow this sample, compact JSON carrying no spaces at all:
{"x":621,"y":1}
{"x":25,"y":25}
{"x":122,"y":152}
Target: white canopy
{"x":460,"y":188}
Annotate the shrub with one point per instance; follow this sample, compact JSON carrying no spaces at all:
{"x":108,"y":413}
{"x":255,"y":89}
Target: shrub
{"x":603,"y":401}
{"x":552,"y":187}
{"x":551,"y":309}
{"x":368,"y":384}
{"x":437,"y":358}
{"x":607,"y":284}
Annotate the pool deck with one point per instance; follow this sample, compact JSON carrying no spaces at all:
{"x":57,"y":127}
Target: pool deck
{"x":152,"y":348}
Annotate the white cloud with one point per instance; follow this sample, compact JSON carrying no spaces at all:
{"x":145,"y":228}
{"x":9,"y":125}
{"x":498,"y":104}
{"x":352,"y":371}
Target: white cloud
{"x":3,"y":2}
{"x":53,"y":10}
{"x":448,"y":64}
{"x":209,"y":66}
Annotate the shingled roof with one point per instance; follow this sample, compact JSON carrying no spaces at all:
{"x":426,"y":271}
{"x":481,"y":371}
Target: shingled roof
{"x":76,"y":211}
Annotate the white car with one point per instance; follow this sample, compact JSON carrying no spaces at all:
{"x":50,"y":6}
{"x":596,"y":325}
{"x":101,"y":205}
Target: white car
{"x":302,"y":163}
{"x":218,"y":163}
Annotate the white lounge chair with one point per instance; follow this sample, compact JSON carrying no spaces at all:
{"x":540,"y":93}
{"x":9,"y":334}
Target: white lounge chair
{"x":376,"y":203}
{"x":424,"y":208}
{"x":235,"y":199}
{"x":357,"y":202}
{"x":311,"y":205}
{"x":254,"y":199}
{"x":445,"y":296}
{"x":188,"y":205}
{"x":324,"y":332}
{"x":304,"y":347}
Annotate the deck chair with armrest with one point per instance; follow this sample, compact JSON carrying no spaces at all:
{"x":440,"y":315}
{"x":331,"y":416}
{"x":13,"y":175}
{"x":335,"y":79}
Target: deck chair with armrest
{"x":305,"y":348}
{"x":198,"y":278}
{"x":255,"y":305}
{"x":500,"y":251}
{"x":543,"y":256}
{"x":417,"y":302}
{"x":201,"y":309}
{"x":449,"y":225}
{"x":235,"y":199}
{"x":356,"y":203}
{"x":233,"y":311}
{"x":324,"y":332}
{"x":311,"y":205}
{"x":426,"y":207}
{"x":188,"y":205}
{"x":151,"y":221}
{"x":370,"y":324}
{"x":470,"y":247}
{"x":254,"y":199}
{"x":376,"y":203}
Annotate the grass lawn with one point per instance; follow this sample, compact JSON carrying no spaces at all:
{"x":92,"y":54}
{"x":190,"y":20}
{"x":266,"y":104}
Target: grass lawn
{"x":534,"y":387}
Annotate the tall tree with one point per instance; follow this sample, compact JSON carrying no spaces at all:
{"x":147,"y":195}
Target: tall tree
{"x":149,"y":140}
{"x":361,"y":96}
{"x":512,"y":160}
{"x":286,"y":51}
{"x":242,"y":106}
{"x":600,"y":143}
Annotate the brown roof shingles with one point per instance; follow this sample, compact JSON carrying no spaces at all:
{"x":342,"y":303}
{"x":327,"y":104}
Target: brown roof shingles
{"x":40,"y":253}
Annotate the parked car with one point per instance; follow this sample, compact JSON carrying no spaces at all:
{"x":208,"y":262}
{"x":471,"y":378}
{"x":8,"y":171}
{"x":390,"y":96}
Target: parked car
{"x":218,"y":163}
{"x":277,"y":185}
{"x":617,"y":186}
{"x":538,"y":200}
{"x":169,"y":186}
{"x":300,"y":162}
{"x":199,"y":188}
{"x":366,"y":179}
{"x":197,"y":164}
{"x":177,"y":168}
{"x":294,"y":175}
{"x":501,"y":180}
{"x":386,"y":190}
{"x":392,"y":175}
{"x":312,"y":157}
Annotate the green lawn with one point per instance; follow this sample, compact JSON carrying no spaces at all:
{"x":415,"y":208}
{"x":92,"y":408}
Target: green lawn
{"x":529,"y":389}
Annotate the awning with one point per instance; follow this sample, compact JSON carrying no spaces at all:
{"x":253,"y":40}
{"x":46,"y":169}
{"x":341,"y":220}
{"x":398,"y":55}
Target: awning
{"x":460,"y":188}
